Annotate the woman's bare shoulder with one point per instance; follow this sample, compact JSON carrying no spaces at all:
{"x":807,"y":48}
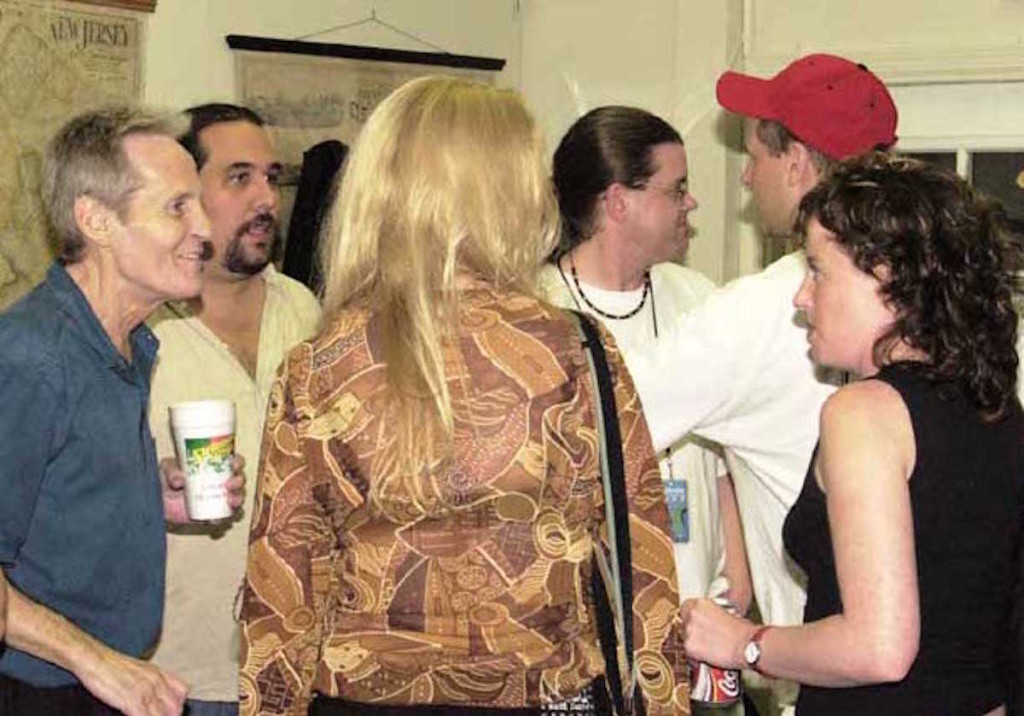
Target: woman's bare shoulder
{"x":867,"y":424}
{"x":868,"y":402}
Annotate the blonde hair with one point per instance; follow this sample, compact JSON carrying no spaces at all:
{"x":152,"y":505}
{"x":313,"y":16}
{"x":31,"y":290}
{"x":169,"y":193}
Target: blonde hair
{"x":447,"y":180}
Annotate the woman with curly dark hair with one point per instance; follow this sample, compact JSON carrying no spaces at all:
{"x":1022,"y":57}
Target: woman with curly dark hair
{"x":908,"y":523}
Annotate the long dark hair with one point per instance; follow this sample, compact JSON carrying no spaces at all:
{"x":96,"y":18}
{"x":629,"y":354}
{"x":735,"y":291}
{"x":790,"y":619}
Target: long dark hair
{"x":606,"y":145}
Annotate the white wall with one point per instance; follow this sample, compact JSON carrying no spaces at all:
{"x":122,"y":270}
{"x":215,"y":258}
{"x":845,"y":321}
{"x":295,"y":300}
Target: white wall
{"x":581,"y":54}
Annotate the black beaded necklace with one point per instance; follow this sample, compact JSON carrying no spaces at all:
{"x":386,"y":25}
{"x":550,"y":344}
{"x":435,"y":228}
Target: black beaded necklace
{"x":648,"y":289}
{"x":603,"y":313}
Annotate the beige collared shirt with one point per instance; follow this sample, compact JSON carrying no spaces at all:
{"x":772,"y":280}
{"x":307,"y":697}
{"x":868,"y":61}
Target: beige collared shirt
{"x":205,"y":566}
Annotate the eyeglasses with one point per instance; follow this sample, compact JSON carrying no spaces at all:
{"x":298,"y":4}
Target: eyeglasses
{"x":677,"y":192}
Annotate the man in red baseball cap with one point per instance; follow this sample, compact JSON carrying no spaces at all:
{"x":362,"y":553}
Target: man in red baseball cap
{"x":833,"y":105}
{"x":736,"y":370}
{"x":817,"y":110}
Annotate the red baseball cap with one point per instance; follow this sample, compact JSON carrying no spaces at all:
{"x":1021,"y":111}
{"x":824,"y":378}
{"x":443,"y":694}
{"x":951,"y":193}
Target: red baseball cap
{"x":831,"y":104}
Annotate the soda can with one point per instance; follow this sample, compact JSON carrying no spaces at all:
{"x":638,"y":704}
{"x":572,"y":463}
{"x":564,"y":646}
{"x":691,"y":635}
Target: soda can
{"x":712,"y":685}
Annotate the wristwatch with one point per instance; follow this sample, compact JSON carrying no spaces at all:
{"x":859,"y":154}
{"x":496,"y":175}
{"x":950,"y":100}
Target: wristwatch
{"x":752,"y":651}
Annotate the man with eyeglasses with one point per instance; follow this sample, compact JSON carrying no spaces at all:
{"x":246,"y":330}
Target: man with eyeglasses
{"x":736,"y":370}
{"x":621,"y":178}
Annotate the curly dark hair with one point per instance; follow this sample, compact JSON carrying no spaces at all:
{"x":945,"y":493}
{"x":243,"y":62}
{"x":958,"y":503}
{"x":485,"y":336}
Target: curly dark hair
{"x":950,"y":267}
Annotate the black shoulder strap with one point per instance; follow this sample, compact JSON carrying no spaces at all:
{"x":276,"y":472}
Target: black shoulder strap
{"x":616,"y":486}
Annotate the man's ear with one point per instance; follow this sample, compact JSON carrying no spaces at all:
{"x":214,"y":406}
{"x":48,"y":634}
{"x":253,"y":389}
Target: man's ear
{"x":800,"y":166}
{"x":94,"y":219}
{"x":615,"y":202}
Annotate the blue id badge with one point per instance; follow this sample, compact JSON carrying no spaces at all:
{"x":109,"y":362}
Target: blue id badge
{"x":678,"y":510}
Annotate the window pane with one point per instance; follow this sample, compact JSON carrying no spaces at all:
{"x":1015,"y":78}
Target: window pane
{"x":1001,"y":174}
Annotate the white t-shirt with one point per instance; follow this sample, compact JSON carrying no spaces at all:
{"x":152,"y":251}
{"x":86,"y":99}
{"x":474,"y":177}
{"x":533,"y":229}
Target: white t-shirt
{"x":700,"y":560}
{"x":736,"y":371}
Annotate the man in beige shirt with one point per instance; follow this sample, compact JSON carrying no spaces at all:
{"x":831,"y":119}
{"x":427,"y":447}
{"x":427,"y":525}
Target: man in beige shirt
{"x":227,"y":344}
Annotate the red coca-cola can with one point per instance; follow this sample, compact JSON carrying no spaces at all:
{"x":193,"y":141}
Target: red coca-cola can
{"x":712,"y":685}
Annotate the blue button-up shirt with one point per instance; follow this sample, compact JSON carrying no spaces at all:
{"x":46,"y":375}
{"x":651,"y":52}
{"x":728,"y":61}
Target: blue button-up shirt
{"x":81,"y":517}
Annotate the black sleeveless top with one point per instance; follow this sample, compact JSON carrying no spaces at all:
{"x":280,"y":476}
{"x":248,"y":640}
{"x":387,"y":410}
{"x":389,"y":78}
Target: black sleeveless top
{"x":965,"y":495}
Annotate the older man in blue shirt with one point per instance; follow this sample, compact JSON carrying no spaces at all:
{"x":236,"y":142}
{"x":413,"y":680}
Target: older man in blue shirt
{"x":81,"y":522}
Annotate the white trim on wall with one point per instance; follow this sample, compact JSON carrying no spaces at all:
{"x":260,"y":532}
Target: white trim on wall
{"x":917,"y":65}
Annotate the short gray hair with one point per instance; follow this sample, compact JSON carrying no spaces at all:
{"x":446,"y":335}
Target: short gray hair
{"x":86,"y":158}
{"x":776,"y":138}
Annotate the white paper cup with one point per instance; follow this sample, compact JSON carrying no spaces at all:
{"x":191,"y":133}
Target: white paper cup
{"x":204,"y":439}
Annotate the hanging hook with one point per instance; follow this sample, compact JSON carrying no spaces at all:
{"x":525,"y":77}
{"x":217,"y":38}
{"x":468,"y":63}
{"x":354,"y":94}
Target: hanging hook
{"x":377,"y":21}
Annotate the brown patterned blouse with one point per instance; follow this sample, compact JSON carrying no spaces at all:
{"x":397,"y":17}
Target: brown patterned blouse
{"x":485,"y":600}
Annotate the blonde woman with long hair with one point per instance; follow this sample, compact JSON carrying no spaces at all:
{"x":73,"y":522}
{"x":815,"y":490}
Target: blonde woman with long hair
{"x":430,"y":494}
